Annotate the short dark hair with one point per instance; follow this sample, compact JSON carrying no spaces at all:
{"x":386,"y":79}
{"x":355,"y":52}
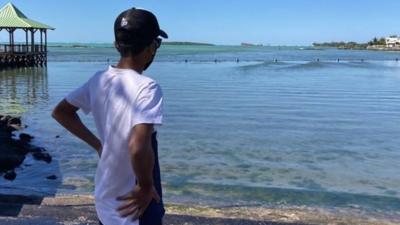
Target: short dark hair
{"x":133,"y":49}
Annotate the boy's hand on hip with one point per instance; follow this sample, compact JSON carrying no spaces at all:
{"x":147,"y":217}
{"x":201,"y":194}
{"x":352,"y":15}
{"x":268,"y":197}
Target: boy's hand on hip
{"x":137,"y":201}
{"x":99,"y":150}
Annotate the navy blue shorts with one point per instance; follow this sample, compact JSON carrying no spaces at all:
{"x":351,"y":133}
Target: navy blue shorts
{"x":155,"y":212}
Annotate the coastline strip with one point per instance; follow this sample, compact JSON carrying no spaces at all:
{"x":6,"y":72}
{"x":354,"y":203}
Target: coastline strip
{"x":79,"y":209}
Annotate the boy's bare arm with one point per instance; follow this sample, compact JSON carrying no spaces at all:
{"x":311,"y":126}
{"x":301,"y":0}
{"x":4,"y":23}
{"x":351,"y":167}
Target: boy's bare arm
{"x":142,"y":154}
{"x":66,"y":115}
{"x":142,"y":157}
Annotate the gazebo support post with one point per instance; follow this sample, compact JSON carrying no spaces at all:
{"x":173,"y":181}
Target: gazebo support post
{"x":41,"y":40}
{"x":26,"y":40}
{"x":45,"y":41}
{"x":33,"y":39}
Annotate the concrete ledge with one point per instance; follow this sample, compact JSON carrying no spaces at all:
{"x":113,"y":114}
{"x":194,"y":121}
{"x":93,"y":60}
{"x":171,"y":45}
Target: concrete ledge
{"x":79,"y":209}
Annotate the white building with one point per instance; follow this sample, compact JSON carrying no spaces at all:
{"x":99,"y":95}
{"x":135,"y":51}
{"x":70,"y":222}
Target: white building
{"x":392,"y":42}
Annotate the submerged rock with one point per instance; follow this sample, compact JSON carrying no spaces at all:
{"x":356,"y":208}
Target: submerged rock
{"x":37,"y":149}
{"x":10,"y":175}
{"x":25,"y":138}
{"x":10,"y":160}
{"x":9,"y":124}
{"x":52,"y":177}
{"x":42,"y":156}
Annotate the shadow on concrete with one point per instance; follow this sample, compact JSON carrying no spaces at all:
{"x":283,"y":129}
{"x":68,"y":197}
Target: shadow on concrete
{"x":11,"y":205}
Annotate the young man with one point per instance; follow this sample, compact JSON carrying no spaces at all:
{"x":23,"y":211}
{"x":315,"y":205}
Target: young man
{"x":126,"y":106}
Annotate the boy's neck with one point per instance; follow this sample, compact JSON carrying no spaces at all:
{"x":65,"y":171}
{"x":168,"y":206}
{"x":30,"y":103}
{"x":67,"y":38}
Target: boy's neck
{"x":130,"y":63}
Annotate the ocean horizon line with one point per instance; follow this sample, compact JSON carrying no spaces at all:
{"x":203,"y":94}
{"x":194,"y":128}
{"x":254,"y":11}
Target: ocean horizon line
{"x":83,"y":44}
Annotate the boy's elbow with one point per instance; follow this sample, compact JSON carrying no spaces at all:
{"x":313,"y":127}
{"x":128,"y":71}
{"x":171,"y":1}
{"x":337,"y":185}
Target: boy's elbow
{"x":56,"y":113}
{"x":63,"y":109}
{"x":134,"y":150}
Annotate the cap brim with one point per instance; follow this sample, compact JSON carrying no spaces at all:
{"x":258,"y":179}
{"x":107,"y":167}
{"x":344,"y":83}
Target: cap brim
{"x":163,"y":34}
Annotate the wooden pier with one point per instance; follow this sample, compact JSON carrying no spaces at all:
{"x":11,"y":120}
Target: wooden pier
{"x":27,"y":53}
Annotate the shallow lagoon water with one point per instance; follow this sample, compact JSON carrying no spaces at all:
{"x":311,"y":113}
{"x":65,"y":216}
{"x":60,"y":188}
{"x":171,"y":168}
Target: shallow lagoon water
{"x":258,"y":132}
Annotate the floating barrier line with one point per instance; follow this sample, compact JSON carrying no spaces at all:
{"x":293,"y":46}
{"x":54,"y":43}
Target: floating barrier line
{"x":339,"y":60}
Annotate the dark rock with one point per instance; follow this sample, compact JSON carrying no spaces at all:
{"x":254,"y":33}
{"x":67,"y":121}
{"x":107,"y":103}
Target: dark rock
{"x":3,"y":120}
{"x":9,"y":124}
{"x":25,"y":138}
{"x":10,"y":175}
{"x":37,"y":149}
{"x":5,"y":134}
{"x":52,"y":177}
{"x":68,"y":186}
{"x":10,"y":160}
{"x":16,"y":121}
{"x":42,"y":156}
{"x":58,"y":136}
{"x":19,"y":147}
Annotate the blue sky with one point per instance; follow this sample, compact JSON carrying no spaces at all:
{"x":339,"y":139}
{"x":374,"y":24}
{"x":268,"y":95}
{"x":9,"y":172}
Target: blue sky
{"x":283,"y":22}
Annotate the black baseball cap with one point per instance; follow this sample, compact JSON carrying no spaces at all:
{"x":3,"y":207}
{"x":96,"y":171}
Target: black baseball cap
{"x":137,"y":26}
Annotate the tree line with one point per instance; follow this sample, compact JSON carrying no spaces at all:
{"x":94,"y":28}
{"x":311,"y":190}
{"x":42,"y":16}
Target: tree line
{"x":352,"y":44}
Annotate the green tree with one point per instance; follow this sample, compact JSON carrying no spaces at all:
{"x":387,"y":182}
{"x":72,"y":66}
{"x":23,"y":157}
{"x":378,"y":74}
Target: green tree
{"x":382,"y":41}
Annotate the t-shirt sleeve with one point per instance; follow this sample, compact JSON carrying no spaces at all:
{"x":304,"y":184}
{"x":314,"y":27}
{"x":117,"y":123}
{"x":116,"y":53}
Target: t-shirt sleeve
{"x":81,"y":98}
{"x":148,"y":107}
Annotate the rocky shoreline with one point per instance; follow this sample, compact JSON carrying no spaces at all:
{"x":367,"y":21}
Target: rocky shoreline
{"x":13,"y":150}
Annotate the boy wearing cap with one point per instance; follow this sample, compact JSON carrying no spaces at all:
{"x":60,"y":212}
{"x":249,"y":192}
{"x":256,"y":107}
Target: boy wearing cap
{"x":126,"y":106}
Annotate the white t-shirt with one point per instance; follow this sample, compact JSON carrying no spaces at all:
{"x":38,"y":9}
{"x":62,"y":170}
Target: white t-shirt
{"x":119,"y":99}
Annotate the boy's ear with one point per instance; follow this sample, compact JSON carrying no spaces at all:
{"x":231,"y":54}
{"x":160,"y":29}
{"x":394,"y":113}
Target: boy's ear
{"x":116,"y":45}
{"x":151,"y":49}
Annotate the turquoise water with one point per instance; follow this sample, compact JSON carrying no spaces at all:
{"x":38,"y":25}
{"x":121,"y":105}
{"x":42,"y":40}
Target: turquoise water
{"x":299,"y":131}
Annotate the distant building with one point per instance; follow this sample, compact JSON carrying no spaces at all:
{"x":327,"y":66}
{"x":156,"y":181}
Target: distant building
{"x":392,"y":42}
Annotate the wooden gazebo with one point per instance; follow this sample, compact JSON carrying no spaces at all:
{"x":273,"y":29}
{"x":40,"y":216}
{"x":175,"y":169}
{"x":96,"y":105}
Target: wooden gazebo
{"x":20,"y":54}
